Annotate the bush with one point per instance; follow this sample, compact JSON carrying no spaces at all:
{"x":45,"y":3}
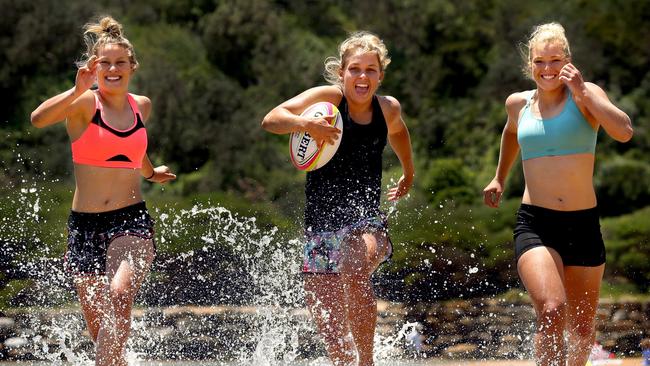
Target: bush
{"x":447,"y":252}
{"x":622,"y":186}
{"x":448,"y":180}
{"x":626,"y":239}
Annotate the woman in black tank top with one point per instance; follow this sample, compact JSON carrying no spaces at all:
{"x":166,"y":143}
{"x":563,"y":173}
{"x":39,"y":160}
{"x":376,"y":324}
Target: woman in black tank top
{"x":346,"y":237}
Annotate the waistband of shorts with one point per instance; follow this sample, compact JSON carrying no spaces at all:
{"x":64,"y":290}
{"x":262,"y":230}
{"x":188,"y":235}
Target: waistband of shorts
{"x":538,"y":210}
{"x":136,"y":208}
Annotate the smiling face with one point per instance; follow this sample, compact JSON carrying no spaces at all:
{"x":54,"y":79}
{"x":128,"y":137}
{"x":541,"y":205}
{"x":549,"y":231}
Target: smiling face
{"x":361,"y":76}
{"x":546,"y":61}
{"x":114,"y":68}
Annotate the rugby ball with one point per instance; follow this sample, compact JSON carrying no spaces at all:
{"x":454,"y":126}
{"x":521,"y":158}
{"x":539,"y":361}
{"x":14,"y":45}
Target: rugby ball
{"x":306,"y":155}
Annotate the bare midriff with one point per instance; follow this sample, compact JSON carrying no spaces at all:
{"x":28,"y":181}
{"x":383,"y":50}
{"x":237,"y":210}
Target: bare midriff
{"x":101,"y":189}
{"x":562,"y":183}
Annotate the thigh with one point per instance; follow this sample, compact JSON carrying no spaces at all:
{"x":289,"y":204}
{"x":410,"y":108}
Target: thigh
{"x":542,"y":272}
{"x":363,"y":250}
{"x":582,"y":286}
{"x":585,"y":246}
{"x":128,"y":260}
{"x":325,"y":298}
{"x":378,"y":247}
{"x":355,"y":256}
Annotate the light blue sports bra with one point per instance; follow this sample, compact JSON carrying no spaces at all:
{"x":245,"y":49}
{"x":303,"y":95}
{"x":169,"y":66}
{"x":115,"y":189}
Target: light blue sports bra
{"x":565,"y":134}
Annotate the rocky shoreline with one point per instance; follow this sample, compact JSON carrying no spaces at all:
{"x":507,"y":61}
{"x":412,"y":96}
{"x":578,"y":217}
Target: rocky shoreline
{"x":467,"y":329}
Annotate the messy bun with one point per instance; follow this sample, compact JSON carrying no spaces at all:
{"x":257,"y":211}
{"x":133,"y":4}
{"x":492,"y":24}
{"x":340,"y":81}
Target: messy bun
{"x":105,"y":31}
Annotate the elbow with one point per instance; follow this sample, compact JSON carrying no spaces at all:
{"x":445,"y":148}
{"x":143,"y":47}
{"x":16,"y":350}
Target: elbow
{"x":627,"y":136}
{"x":628,"y":132}
{"x":36,"y":119}
{"x":266,"y":123}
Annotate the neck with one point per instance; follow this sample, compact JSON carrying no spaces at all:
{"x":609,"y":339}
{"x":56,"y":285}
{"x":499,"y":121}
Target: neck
{"x":116,"y":101}
{"x":355,"y":107}
{"x":551,"y":97}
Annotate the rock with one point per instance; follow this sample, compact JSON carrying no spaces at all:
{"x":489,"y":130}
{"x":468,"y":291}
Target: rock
{"x":507,"y":350}
{"x":619,"y":315}
{"x":7,"y":327}
{"x":461,"y":350}
{"x":6,"y":322}
{"x":16,"y":342}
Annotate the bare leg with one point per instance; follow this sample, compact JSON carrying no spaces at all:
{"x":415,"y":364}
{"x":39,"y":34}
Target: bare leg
{"x":92,"y":296}
{"x":128,"y":261}
{"x":583,"y":291}
{"x":326,"y":301}
{"x":542,"y":273}
{"x":363,"y":252}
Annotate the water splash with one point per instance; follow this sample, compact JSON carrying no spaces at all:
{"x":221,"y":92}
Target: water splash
{"x":244,"y":275}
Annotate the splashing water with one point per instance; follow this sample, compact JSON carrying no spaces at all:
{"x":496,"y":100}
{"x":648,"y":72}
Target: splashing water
{"x":226,"y":259}
{"x":244,"y":276}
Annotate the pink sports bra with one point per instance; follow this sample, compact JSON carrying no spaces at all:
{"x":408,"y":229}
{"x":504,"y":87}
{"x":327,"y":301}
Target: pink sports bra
{"x":105,"y":146}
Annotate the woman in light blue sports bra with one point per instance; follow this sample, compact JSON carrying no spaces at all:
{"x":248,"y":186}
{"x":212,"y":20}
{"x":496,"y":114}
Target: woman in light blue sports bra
{"x":559,"y":249}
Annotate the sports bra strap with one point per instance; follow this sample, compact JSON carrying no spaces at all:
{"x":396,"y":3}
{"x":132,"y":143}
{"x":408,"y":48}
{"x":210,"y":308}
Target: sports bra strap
{"x":529,"y":96}
{"x":132,"y":103}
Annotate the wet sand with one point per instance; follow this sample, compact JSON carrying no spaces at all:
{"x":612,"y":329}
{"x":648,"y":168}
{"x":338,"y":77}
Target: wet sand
{"x":433,"y":362}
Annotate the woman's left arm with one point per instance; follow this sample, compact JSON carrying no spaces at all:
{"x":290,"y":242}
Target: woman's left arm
{"x":161,"y":174}
{"x":400,"y":142}
{"x":616,"y":123}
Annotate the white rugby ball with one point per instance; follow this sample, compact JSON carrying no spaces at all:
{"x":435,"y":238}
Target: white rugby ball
{"x":306,"y":155}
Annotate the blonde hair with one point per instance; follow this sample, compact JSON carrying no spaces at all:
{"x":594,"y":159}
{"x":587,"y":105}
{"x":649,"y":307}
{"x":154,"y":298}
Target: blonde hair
{"x":105,"y":31}
{"x":359,"y":42}
{"x":544,"y":33}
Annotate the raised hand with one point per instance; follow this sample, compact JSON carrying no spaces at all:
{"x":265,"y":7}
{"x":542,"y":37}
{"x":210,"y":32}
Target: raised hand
{"x":572,"y":78}
{"x":86,"y":75}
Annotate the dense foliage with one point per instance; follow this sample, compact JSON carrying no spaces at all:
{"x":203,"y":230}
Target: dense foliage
{"x":214,"y":68}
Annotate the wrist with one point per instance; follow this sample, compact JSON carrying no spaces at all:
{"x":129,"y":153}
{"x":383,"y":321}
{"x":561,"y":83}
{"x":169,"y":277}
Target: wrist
{"x":409,"y":175}
{"x":76,"y":93}
{"x":153,"y":172}
{"x":303,"y":124}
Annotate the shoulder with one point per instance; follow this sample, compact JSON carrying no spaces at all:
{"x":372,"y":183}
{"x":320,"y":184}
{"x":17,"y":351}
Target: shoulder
{"x":390,"y":106}
{"x":516,"y":101}
{"x":83,"y":108}
{"x":300,"y":102}
{"x":595,"y":89}
{"x":325,"y":93}
{"x":144,"y":105}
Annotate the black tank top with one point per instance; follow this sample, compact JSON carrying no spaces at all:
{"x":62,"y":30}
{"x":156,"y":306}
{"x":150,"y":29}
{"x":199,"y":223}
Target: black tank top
{"x":348,"y":188}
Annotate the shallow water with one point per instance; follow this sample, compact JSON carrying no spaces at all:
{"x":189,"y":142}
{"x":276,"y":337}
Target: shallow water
{"x":433,"y":362}
{"x":212,"y":240}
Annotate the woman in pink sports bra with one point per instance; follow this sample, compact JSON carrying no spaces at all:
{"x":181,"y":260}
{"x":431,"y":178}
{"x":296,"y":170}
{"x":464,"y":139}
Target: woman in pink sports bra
{"x":110,"y":233}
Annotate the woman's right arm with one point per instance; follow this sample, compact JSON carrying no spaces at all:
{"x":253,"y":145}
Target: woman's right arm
{"x":507,"y":153}
{"x":286,"y":118}
{"x":66,"y":104}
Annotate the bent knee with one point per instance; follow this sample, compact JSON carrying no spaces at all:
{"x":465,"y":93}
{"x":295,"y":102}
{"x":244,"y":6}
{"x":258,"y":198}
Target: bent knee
{"x":584,"y":329}
{"x":553,"y":311}
{"x":121,"y":296}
